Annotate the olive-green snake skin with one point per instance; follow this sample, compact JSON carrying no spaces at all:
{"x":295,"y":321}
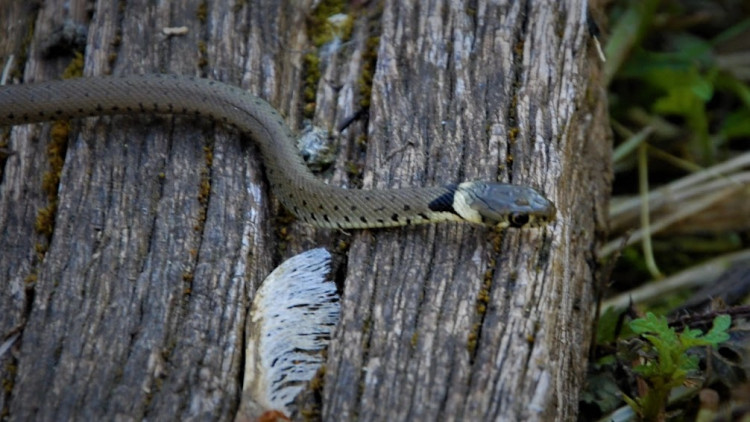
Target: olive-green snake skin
{"x":489,"y":203}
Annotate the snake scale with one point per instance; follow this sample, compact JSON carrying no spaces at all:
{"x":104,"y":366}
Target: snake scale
{"x":311,"y":200}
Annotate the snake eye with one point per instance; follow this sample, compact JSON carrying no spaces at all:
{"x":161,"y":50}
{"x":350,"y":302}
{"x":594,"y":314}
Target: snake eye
{"x":518,"y":220}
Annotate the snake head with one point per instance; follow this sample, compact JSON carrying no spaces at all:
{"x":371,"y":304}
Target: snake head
{"x":502,"y":205}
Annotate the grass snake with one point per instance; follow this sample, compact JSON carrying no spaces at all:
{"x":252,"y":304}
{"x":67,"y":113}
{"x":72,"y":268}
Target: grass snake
{"x":311,"y":200}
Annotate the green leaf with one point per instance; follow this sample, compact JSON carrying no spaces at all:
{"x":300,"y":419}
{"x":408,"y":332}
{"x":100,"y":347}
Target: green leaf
{"x":607,"y":327}
{"x":656,"y":325}
{"x":689,"y":363}
{"x":634,"y":404}
{"x":627,"y":31}
{"x":736,"y":124}
{"x":649,"y":324}
{"x":718,"y":332}
{"x":703,"y":89}
{"x":647,"y":370}
{"x":693,"y":338}
{"x":692,"y":49}
{"x":679,"y":100}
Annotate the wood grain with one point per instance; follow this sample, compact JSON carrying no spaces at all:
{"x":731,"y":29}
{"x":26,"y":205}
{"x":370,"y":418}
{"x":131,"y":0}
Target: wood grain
{"x":135,"y":306}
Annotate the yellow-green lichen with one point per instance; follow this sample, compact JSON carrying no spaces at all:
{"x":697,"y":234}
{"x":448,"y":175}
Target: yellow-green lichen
{"x":281,"y":222}
{"x":204,"y":191}
{"x":31,"y":278}
{"x":326,"y":23}
{"x":45,"y":218}
{"x":75,"y":67}
{"x":513,"y":134}
{"x":11,"y":369}
{"x":483,"y":296}
{"x":202,"y":55}
{"x":369,"y":60}
{"x":342,"y":246}
{"x":202,"y":12}
{"x":311,"y":66}
{"x":320,"y":27}
{"x":311,"y":410}
{"x":473,"y":339}
{"x":45,"y":222}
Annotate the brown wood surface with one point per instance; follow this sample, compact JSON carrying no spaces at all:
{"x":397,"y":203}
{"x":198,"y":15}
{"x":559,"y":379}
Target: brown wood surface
{"x":131,"y":302}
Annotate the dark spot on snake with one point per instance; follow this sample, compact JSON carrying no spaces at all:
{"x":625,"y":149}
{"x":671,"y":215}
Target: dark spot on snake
{"x":346,"y":218}
{"x":423,"y":215}
{"x":114,"y":108}
{"x":156,"y":107}
{"x":320,"y":207}
{"x":296,"y":210}
{"x":325,"y":217}
{"x":407,"y":208}
{"x":10,"y":115}
{"x":335,"y":207}
{"x":363,"y":219}
{"x":128,"y":108}
{"x":367,"y":198}
{"x":408,"y":221}
{"x":25,"y":116}
{"x":312,"y":215}
{"x":99,"y":107}
{"x":380,"y":220}
{"x":354,"y":208}
{"x":41,"y":114}
{"x":80,"y":110}
{"x":58,"y":112}
{"x":394,"y":217}
{"x":444,"y":202}
{"x":304,"y":203}
{"x":140,"y":105}
{"x":197,"y":112}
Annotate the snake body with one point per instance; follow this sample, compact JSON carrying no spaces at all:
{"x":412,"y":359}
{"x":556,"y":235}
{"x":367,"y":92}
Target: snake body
{"x":489,"y":203}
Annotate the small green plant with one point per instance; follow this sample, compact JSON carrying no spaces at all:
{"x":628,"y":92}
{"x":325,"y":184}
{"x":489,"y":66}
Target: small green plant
{"x":666,"y":363}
